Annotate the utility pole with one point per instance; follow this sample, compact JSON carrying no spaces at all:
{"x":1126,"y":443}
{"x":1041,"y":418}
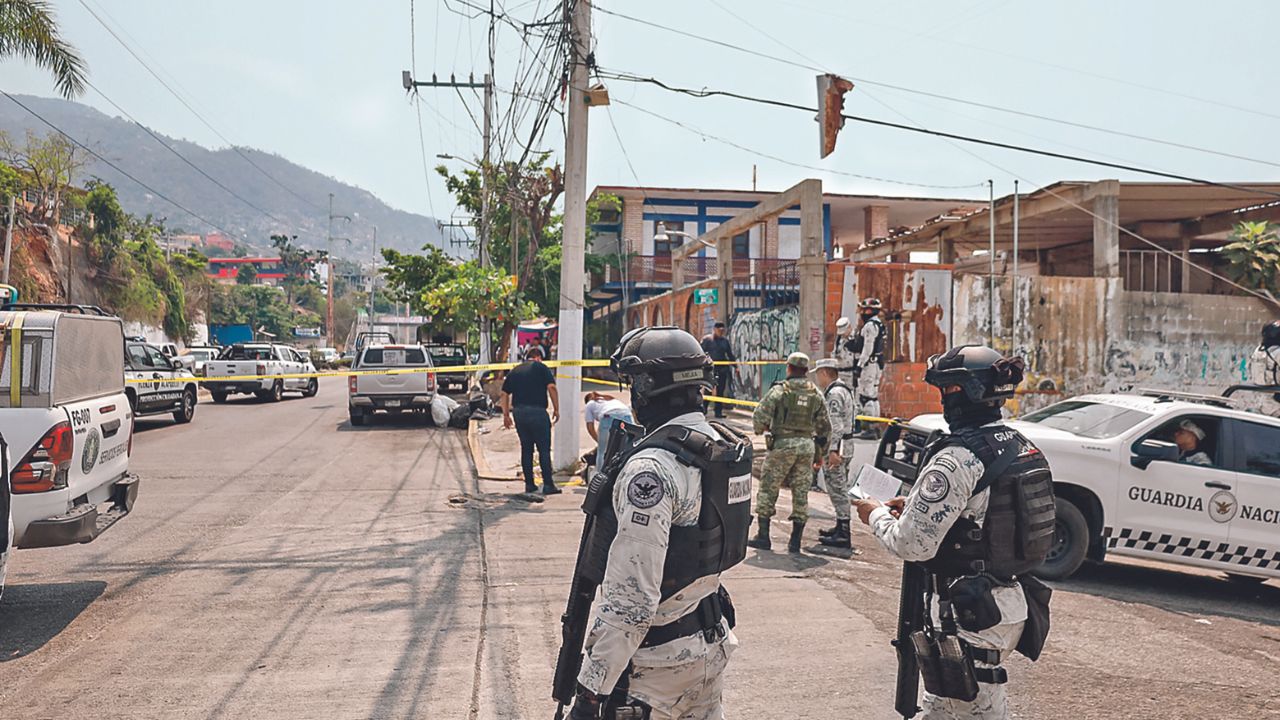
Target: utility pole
{"x":8,"y":240}
{"x":409,"y":83}
{"x":328,"y":313}
{"x":991,"y":272}
{"x":565,"y":444}
{"x":373,"y":276}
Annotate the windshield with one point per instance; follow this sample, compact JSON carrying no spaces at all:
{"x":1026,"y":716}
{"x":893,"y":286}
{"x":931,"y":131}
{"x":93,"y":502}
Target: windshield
{"x":1087,"y":419}
{"x":445,"y":351}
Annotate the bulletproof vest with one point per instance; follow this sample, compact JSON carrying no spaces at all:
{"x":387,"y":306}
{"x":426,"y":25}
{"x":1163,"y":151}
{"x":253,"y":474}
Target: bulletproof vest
{"x":1017,"y":532}
{"x":836,"y":384}
{"x":719,"y":539}
{"x":877,"y":350}
{"x":796,"y":414}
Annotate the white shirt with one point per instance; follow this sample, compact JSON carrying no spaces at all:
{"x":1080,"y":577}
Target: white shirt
{"x":597,"y":409}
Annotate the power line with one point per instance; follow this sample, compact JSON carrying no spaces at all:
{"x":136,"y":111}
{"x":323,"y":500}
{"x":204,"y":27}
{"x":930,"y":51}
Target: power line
{"x":889,"y":86}
{"x":181,"y":157}
{"x":422,"y":143}
{"x":189,"y":107}
{"x":704,"y":93}
{"x":117,"y":168}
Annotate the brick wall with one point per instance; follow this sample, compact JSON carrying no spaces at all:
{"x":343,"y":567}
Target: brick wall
{"x":903,"y":392}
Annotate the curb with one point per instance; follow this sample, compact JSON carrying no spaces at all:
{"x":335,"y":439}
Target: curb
{"x":483,"y":471}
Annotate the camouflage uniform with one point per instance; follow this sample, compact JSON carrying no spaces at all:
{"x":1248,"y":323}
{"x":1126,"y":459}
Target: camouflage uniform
{"x":793,"y":412}
{"x":869,"y":367}
{"x":942,"y":496}
{"x":841,"y":408}
{"x":846,"y":359}
{"x":682,"y":678}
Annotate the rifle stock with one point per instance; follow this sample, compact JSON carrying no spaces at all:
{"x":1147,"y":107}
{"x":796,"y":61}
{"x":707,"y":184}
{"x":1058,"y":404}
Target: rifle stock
{"x":910,"y":619}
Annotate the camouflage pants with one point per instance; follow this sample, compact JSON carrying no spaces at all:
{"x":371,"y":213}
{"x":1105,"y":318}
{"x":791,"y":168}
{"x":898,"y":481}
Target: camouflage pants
{"x":791,"y":459}
{"x":838,"y":480}
{"x":689,"y":690}
{"x":869,"y":390}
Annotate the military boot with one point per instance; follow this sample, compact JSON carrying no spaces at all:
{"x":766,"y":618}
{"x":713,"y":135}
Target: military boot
{"x":841,"y":538}
{"x":761,"y":540}
{"x":828,"y":532}
{"x":797,"y":533}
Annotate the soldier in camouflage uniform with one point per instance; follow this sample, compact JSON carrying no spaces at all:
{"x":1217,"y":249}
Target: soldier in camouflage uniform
{"x":795,"y":420}
{"x":841,"y":408}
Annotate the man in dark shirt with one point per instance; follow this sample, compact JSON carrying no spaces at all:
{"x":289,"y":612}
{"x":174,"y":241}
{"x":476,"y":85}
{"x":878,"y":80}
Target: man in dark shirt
{"x":524,"y":397}
{"x":717,"y":346}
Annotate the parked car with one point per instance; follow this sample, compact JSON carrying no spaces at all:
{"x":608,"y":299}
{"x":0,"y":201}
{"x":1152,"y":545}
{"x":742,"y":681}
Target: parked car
{"x":325,"y":357}
{"x":413,"y":387}
{"x":1124,"y":485}
{"x":199,"y":356}
{"x":274,"y":370}
{"x":67,"y":422}
{"x":156,"y":384}
{"x":446,"y":355}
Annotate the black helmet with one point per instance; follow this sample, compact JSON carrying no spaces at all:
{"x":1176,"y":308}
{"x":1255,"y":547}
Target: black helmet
{"x":982,"y":373}
{"x":656,"y":360}
{"x":872,"y":304}
{"x":1271,"y":334}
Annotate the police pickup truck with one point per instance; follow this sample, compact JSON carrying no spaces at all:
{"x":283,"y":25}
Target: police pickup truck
{"x":156,"y":384}
{"x":66,"y":429}
{"x":1163,"y":475}
{"x":265,"y":370}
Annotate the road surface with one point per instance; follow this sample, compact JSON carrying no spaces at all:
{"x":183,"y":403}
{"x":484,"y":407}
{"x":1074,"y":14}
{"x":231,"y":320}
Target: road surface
{"x":281,"y":564}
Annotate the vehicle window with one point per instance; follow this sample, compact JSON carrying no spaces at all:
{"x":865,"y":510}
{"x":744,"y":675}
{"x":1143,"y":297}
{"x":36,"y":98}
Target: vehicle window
{"x":1195,"y":450}
{"x":1087,"y":419}
{"x":137,"y":356}
{"x":158,"y":359}
{"x":394,"y":357}
{"x":1261,"y":447}
{"x":243,"y":353}
{"x":446,"y":352}
{"x":371,"y":357}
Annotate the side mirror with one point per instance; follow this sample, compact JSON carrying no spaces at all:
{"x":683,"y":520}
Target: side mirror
{"x":183,"y":361}
{"x":1150,"y":450}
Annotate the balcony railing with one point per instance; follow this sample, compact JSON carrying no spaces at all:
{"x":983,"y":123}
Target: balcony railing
{"x":648,"y":270}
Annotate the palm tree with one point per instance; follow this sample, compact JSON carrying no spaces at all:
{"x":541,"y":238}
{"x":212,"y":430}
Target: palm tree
{"x":28,"y":30}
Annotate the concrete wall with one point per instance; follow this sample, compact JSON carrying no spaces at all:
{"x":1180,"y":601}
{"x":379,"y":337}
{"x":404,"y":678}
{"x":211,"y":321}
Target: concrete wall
{"x":769,"y":334}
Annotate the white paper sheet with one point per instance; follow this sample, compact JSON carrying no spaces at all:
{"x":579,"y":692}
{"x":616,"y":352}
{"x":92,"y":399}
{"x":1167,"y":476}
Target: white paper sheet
{"x":872,"y":482}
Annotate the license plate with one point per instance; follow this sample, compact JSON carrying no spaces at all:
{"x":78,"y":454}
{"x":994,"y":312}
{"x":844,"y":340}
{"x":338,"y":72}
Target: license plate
{"x":392,"y":403}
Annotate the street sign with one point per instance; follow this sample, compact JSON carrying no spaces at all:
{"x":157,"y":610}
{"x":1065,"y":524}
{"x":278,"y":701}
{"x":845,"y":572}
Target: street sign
{"x":306,"y":332}
{"x":706,"y":296}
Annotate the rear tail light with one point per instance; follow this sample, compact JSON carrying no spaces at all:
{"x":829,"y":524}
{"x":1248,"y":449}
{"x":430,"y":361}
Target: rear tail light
{"x":351,"y":384}
{"x":431,"y":381}
{"x":46,"y":465}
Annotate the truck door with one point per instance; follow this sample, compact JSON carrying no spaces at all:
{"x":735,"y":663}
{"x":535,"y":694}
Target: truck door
{"x":1255,"y":502}
{"x":168,"y":391}
{"x":1165,"y":508}
{"x":140,"y":366}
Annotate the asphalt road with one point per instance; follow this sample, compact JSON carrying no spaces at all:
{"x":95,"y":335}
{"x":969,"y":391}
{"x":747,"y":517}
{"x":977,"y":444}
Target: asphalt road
{"x":281,"y":564}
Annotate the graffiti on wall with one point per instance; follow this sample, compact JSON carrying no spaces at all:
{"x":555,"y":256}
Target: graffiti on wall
{"x":766,"y":334}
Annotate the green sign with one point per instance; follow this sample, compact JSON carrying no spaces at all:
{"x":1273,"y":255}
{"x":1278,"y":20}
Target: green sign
{"x":706,"y":296}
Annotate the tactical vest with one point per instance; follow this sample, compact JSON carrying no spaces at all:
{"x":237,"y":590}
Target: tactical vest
{"x":1017,"y":532}
{"x":877,"y":347}
{"x":719,"y":539}
{"x":797,"y":412}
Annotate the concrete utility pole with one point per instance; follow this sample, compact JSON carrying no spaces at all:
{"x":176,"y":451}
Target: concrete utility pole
{"x":328,"y":312}
{"x":564,"y":446}
{"x":373,"y":275}
{"x":8,"y":240}
{"x":991,"y":272}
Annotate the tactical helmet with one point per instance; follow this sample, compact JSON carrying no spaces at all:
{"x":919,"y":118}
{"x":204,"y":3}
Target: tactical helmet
{"x":1271,"y":334}
{"x":656,"y":360}
{"x":871,"y":304}
{"x":983,"y":374}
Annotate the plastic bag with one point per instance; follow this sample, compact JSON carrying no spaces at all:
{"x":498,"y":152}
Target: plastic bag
{"x":441,"y":408}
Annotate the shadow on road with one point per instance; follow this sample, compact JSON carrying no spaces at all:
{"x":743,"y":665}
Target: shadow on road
{"x":383,"y":420}
{"x":1178,"y":591}
{"x":32,"y":615}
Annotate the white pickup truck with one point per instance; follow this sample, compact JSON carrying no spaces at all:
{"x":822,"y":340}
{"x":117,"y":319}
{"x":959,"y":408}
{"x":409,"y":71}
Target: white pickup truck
{"x":391,"y":378}
{"x":66,"y":425}
{"x":263,"y":361}
{"x":1162,"y":475}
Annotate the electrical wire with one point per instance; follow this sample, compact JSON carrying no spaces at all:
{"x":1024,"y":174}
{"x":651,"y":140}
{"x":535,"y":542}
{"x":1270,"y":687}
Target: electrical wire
{"x":189,"y":107}
{"x":938,"y":96}
{"x":422,"y":143}
{"x":919,"y":129}
{"x":117,"y":168}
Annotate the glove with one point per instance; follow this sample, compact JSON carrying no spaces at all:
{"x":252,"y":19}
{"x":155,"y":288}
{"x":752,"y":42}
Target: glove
{"x":586,"y":706}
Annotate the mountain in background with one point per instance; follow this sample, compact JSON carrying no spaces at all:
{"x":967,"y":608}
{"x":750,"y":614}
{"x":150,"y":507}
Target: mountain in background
{"x":127,"y":145}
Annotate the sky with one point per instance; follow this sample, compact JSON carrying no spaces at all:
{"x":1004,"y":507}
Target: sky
{"x":318,"y":82}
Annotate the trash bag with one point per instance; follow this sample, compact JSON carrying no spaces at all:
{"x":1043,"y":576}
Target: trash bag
{"x":460,"y":416}
{"x":442,"y":407}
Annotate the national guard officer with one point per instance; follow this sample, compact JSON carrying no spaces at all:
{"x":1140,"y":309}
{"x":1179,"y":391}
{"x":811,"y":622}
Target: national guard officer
{"x":840,"y":409}
{"x":979,"y":517}
{"x":845,"y":352}
{"x":870,"y":362}
{"x":794,"y":420}
{"x":678,"y":514}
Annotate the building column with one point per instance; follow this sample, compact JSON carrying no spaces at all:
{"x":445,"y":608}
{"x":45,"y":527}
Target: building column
{"x":946,"y":251}
{"x":1184,"y":252}
{"x":875,"y":223}
{"x":812,"y":267}
{"x":1106,"y":228}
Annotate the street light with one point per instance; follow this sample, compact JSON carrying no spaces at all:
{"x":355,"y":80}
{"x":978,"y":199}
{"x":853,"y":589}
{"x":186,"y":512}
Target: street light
{"x":446,"y":156}
{"x":664,"y":234}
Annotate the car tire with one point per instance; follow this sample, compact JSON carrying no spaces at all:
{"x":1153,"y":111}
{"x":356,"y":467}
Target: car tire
{"x":187,"y":410}
{"x":1070,"y":543}
{"x":311,"y":389}
{"x":357,"y":417}
{"x":275,"y":394}
{"x":1245,"y":580}
{"x":218,"y":397}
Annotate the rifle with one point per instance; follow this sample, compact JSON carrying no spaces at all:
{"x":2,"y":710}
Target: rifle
{"x":911,"y":612}
{"x":593,"y":555}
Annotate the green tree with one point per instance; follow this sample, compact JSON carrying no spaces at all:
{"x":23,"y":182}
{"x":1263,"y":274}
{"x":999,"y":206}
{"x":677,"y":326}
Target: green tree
{"x":29,"y":31}
{"x":409,"y":276}
{"x":298,"y":265}
{"x":10,"y":181}
{"x":49,"y":162}
{"x":1253,"y":256}
{"x":474,"y":292}
{"x":247,"y":274}
{"x":109,"y":220}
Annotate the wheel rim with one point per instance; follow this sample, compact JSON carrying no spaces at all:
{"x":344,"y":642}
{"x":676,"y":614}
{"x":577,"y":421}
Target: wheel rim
{"x":1061,"y":542}
{"x":188,"y":404}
